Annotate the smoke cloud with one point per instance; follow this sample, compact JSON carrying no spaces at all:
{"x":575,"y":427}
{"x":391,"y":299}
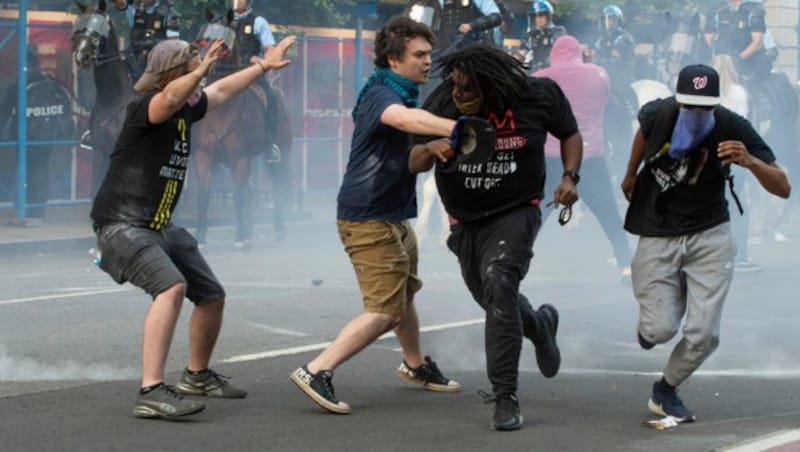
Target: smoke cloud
{"x":27,"y":369}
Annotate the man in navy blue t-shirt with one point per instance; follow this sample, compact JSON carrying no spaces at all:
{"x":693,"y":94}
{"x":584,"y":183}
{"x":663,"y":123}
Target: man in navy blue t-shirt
{"x":375,"y":202}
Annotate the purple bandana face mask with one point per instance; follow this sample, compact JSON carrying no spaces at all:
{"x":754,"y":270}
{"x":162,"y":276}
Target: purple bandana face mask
{"x":691,"y":128}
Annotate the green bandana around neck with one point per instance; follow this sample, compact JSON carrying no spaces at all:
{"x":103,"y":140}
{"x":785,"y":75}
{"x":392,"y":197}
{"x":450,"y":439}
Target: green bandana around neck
{"x":408,"y":90}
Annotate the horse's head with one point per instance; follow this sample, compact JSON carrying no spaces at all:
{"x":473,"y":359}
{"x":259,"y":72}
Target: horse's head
{"x":91,"y":33}
{"x":218,"y":28}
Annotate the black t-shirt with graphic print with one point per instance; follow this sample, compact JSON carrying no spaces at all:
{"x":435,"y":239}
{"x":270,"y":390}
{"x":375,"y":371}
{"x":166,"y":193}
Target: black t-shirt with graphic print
{"x":673,"y":197}
{"x":148,"y":167}
{"x":515,"y":173}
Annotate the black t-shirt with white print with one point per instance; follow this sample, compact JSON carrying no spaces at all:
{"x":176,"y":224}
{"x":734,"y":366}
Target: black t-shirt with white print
{"x":148,"y":167}
{"x":674,"y":197}
{"x":515,"y":173}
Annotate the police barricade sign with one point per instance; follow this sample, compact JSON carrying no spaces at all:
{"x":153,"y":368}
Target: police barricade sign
{"x":49,"y":111}
{"x":48,"y":115}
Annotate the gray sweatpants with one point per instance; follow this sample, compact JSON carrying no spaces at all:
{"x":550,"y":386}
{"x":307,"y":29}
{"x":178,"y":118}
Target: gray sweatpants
{"x":690,"y":275}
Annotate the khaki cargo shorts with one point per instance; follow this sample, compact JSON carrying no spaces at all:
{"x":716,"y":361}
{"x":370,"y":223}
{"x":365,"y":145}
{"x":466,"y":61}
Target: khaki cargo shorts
{"x":385,"y":257}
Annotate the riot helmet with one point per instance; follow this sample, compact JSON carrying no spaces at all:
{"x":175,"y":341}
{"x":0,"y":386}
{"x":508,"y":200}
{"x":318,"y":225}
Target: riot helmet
{"x":541,"y":9}
{"x":612,"y":18}
{"x":241,"y":8}
{"x":422,"y":13}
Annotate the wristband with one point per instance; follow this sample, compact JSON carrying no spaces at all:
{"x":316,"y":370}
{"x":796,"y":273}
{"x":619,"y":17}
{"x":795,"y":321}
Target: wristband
{"x":572,"y":175}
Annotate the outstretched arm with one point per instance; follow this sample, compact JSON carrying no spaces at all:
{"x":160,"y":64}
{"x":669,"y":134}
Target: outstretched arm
{"x":174,"y":96}
{"x":416,"y":121}
{"x":225,"y":88}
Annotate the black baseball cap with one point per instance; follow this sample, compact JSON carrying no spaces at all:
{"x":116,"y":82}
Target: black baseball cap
{"x":698,"y":84}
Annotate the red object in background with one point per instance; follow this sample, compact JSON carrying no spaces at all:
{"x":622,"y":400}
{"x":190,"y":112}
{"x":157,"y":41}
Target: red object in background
{"x":51,"y":41}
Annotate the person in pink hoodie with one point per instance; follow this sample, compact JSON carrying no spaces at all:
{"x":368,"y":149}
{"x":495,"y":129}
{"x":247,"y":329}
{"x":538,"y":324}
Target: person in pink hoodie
{"x":586,"y":85}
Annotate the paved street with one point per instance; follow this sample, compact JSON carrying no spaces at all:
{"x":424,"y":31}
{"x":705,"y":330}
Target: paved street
{"x":70,"y":348}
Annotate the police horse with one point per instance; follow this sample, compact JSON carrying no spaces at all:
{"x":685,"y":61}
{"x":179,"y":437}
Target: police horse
{"x":95,"y":47}
{"x":233,"y":135}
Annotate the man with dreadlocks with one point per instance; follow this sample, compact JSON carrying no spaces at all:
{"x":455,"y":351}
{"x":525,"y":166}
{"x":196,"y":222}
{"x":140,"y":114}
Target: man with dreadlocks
{"x":375,"y":202}
{"x":494,"y":202}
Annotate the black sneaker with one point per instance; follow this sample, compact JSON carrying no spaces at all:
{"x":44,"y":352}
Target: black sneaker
{"x":669,"y":404}
{"x":319,"y":387}
{"x":164,"y":402}
{"x":506,"y":415}
{"x":208,"y":383}
{"x":548,"y":357}
{"x":428,"y":375}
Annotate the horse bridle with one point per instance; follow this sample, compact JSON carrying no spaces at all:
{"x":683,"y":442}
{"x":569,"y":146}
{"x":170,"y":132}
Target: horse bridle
{"x":96,"y":27}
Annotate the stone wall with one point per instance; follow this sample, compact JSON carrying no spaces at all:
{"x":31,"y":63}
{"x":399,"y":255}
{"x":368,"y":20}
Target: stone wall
{"x":782,"y":19}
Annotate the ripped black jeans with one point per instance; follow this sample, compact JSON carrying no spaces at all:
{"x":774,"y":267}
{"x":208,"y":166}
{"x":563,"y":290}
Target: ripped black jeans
{"x":494,"y":254}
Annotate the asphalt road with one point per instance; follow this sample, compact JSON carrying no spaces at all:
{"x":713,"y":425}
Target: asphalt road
{"x":70,"y":349}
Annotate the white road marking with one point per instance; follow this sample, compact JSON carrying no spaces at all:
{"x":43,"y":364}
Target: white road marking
{"x":63,"y":295}
{"x":276,"y":330}
{"x":323,"y":345}
{"x":746,"y":373}
{"x":276,"y":353}
{"x":767,"y":442}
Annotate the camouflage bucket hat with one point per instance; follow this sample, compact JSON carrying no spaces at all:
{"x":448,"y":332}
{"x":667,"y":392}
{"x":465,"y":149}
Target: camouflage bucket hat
{"x":165,"y":56}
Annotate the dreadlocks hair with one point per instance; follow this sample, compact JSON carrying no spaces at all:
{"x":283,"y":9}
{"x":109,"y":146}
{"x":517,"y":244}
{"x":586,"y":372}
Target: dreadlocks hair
{"x":499,"y":77}
{"x":392,"y":38}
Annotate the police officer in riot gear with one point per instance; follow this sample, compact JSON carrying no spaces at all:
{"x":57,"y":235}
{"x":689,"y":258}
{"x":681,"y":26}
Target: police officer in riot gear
{"x":540,"y":36}
{"x":616,"y":47}
{"x":464,"y":21}
{"x":615,"y":51}
{"x":49,"y":118}
{"x":739,"y":29}
{"x":150,"y":22}
{"x":254,"y":38}
{"x":506,"y":25}
{"x":455,"y":23}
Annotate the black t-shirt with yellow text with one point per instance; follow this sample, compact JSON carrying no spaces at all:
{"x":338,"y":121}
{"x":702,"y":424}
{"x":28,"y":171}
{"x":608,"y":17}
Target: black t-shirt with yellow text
{"x":148,"y":167}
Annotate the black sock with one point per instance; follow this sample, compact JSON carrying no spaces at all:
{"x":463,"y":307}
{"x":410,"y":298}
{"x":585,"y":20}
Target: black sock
{"x":662,"y":386}
{"x":147,"y":389}
{"x":197,"y":372}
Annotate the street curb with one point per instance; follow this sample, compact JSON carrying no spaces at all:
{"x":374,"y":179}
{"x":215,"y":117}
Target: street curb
{"x":47,"y":246}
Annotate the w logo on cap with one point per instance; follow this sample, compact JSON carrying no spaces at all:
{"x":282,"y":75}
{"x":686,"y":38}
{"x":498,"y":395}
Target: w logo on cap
{"x":700,"y":82}
{"x":698,"y":85}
